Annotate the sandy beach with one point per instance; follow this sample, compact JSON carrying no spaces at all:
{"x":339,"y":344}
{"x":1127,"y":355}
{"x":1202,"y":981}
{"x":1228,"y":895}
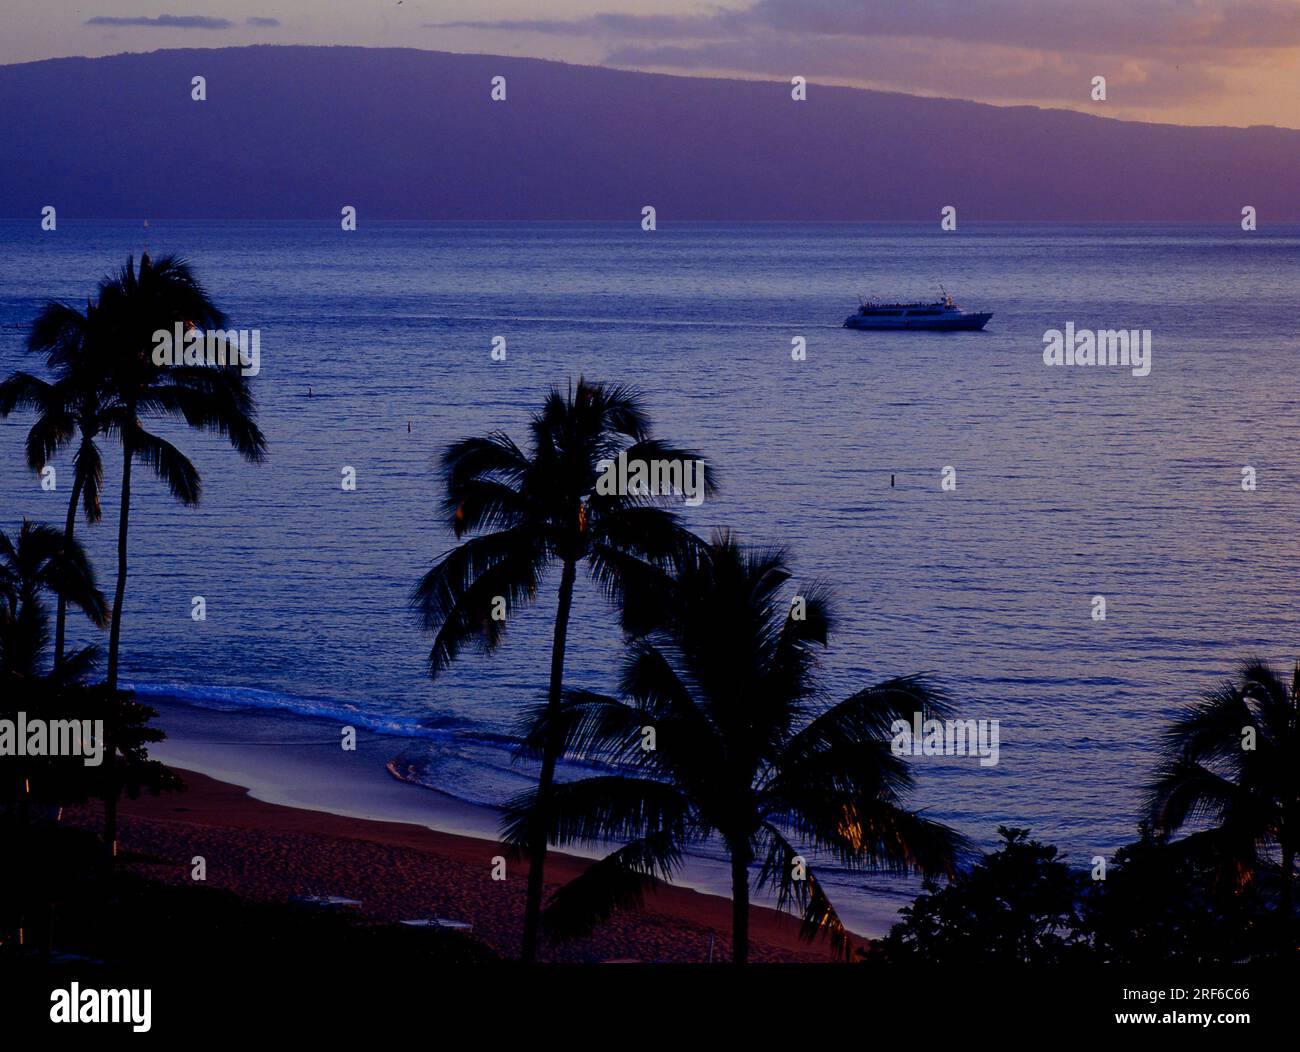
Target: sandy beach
{"x":268,"y":852}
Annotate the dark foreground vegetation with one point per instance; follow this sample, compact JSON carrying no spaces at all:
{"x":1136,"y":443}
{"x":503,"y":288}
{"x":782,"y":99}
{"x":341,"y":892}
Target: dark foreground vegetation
{"x":1023,"y":905}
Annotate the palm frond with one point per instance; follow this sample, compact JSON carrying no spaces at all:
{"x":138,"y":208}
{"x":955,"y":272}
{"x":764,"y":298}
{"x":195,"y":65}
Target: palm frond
{"x":596,"y":809}
{"x":89,"y":466}
{"x":210,"y":398}
{"x":589,"y":724}
{"x":867,"y":716}
{"x":618,"y":881}
{"x":455,"y":598}
{"x":1183,"y":791}
{"x":169,"y":464}
{"x":52,"y":430}
{"x":21,"y":390}
{"x":863,"y":831}
{"x":805,"y":891}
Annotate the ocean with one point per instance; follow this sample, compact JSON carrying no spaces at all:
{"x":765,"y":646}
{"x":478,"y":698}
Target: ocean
{"x":1070,"y":482}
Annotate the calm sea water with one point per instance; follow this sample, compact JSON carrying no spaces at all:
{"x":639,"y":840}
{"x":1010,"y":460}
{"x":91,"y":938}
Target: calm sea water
{"x":1070,"y":482}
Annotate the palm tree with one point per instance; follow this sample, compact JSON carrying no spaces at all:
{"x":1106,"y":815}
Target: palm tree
{"x":40,"y":559}
{"x":525,"y":511}
{"x":135,"y":304}
{"x":70,"y":406}
{"x":722,"y":733}
{"x":34,"y":561}
{"x":1231,"y":765}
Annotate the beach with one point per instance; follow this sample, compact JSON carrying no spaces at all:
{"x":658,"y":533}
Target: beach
{"x":295,"y":760}
{"x":268,"y":852}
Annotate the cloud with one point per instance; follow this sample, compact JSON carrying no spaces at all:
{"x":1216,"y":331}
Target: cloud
{"x":177,"y":21}
{"x":989,"y":73}
{"x":658,"y":27}
{"x":163,"y":21}
{"x":1122,"y":26}
{"x":1106,"y":25}
{"x":1164,"y":52}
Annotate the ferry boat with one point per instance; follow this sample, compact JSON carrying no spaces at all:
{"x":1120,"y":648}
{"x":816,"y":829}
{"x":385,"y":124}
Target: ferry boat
{"x":941,"y":316}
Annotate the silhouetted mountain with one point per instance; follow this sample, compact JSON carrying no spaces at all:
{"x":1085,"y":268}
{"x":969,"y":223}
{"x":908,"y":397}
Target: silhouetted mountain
{"x":298,"y":132}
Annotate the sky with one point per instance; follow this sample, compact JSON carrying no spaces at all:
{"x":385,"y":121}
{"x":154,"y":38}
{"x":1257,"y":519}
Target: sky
{"x":1234,"y":62}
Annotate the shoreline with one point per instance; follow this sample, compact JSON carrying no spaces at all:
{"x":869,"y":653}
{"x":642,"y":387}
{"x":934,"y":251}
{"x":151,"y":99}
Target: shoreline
{"x":295,"y":762}
{"x":271,"y":852}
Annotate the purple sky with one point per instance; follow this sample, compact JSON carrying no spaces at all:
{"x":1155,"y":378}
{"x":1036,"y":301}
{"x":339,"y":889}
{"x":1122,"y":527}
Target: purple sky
{"x":1184,"y":61}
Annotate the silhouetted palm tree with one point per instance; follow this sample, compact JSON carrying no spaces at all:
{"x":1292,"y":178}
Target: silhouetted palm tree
{"x":134,"y":304}
{"x":723,"y":733}
{"x":40,"y":559}
{"x":69,"y":407}
{"x":1231,"y":763}
{"x":529,"y":510}
{"x":36,"y":560}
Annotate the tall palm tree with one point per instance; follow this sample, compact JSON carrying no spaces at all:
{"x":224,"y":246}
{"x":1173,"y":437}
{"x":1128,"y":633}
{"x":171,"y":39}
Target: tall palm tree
{"x":1230,"y":764}
{"x":134,"y":304}
{"x":522,"y":512}
{"x":69,"y":406}
{"x":742,"y":748}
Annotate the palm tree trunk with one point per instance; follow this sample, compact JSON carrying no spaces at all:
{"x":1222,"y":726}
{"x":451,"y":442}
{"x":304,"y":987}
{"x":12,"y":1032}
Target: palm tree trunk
{"x":1287,"y":904}
{"x":739,"y":905}
{"x":61,"y":617}
{"x":550,"y":756}
{"x":114,"y":643}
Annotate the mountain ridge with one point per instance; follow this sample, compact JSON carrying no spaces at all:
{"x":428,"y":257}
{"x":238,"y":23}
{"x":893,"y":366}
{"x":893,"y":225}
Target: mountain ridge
{"x":294,"y":131}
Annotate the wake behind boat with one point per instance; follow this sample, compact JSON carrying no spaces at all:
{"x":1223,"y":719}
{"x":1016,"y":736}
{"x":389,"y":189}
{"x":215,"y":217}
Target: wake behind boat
{"x":941,"y":316}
